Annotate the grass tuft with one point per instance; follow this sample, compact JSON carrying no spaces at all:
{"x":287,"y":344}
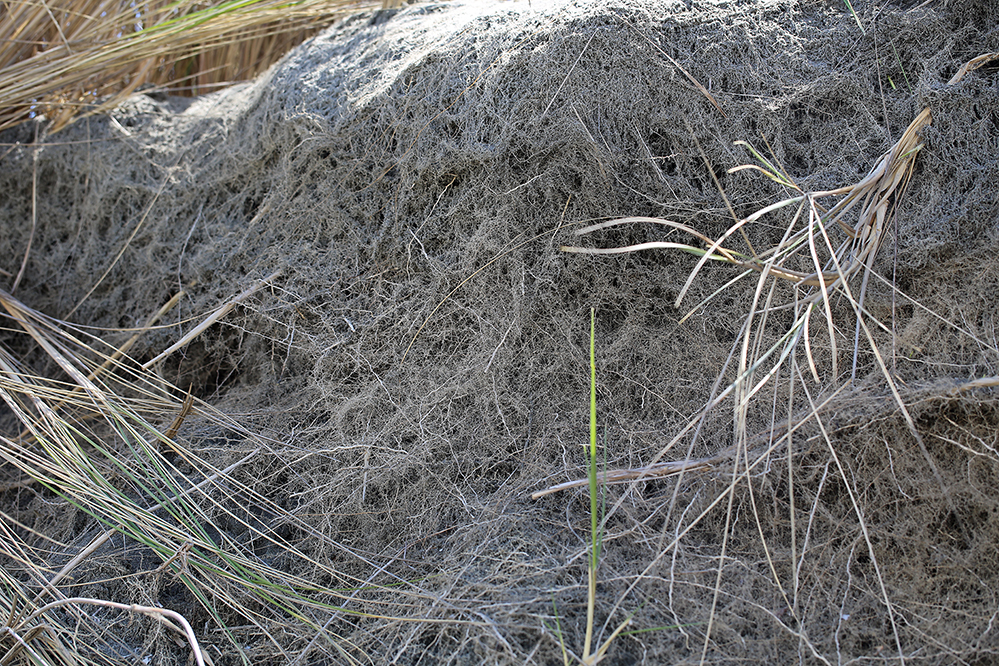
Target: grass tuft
{"x":89,"y":437}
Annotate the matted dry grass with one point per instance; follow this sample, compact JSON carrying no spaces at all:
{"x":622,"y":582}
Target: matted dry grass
{"x":374,"y":353}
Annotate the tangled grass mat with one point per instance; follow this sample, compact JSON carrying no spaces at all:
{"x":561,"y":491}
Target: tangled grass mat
{"x":290,"y":360}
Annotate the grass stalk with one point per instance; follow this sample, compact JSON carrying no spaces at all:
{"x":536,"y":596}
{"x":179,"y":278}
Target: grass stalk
{"x":591,"y":598}
{"x":596,"y":489}
{"x":856,"y":18}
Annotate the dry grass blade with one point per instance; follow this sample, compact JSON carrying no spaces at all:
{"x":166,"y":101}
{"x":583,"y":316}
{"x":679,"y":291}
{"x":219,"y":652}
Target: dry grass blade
{"x":656,"y":471}
{"x":61,"y":58}
{"x":972,"y":65}
{"x":690,"y":77}
{"x":166,"y":616}
{"x":222,"y":311}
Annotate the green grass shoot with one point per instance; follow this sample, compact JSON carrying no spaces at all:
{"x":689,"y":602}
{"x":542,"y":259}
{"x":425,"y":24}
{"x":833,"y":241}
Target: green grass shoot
{"x":855,"y":17}
{"x":594,"y":521}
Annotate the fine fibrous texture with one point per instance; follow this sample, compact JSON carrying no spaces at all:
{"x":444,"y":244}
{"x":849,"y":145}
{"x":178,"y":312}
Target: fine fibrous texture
{"x":399,"y":354}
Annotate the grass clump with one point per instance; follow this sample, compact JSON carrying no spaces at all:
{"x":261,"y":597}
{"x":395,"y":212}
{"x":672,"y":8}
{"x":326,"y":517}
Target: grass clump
{"x":90,"y":439}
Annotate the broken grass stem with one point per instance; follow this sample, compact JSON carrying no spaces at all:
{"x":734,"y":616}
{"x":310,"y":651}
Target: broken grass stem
{"x":214,"y":317}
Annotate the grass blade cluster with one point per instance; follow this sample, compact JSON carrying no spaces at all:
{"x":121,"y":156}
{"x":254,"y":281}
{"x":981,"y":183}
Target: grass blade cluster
{"x":808,"y":258}
{"x":89,"y":438}
{"x":61,"y":58}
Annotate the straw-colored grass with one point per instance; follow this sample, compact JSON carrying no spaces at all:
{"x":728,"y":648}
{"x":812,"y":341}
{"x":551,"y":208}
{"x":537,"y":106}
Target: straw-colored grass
{"x":62,"y":58}
{"x":809,"y":243}
{"x":859,"y":216}
{"x":827,"y":252}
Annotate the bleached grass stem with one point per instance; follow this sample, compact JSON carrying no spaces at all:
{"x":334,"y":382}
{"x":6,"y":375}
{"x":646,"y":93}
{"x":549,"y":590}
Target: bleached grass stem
{"x":160,"y":614}
{"x":222,"y":311}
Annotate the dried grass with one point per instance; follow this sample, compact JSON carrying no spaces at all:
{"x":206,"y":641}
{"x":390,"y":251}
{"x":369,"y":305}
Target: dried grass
{"x":89,"y":433}
{"x":833,"y":266}
{"x":423,"y":470}
{"x":90,"y":439}
{"x":71,"y":57}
